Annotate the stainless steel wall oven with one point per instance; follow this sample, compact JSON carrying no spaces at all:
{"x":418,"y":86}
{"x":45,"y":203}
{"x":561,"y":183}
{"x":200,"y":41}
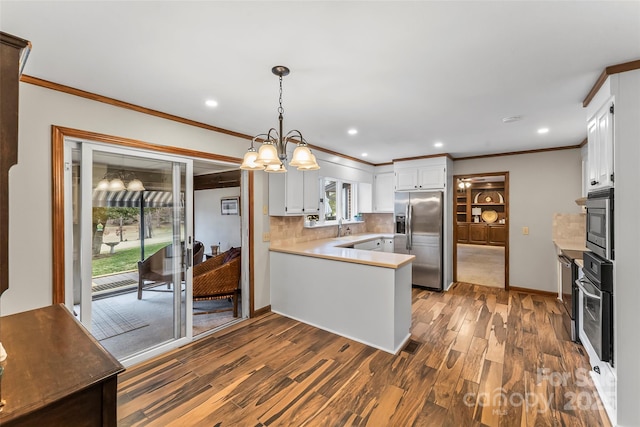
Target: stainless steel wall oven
{"x":596,"y":306}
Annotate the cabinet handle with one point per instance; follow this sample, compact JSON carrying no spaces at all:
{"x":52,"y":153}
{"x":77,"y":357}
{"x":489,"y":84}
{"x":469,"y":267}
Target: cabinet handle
{"x":594,"y":182}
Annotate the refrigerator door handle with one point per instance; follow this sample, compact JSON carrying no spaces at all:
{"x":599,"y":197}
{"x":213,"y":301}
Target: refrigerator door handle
{"x":409,"y":227}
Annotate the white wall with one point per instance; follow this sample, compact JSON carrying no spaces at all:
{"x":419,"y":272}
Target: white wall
{"x":30,"y":272}
{"x":540,"y":184}
{"x":211,"y":227}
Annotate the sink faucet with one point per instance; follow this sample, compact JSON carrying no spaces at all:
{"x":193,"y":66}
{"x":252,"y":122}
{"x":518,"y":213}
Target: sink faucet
{"x":339,"y":227}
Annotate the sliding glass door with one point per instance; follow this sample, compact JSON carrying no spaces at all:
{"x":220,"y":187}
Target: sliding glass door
{"x":128,"y":272}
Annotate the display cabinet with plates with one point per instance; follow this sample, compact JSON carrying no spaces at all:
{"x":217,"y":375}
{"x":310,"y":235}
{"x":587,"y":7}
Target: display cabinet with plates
{"x":481,"y":213}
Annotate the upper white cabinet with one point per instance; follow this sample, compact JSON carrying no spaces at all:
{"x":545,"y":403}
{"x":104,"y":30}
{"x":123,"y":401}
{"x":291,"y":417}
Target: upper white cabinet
{"x":430,"y":175}
{"x":600,"y":147}
{"x":294,"y":193}
{"x":383,"y":197}
{"x":365,"y":201}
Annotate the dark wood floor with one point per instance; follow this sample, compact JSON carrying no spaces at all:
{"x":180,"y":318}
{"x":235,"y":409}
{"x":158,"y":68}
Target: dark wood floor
{"x":484,"y":356}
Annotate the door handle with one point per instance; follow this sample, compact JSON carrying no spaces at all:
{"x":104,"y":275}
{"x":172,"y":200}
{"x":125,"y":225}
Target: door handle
{"x":587,"y":293}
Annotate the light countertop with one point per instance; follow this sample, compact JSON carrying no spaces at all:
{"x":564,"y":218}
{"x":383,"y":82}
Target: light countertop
{"x":335,"y":249}
{"x":570,"y":245}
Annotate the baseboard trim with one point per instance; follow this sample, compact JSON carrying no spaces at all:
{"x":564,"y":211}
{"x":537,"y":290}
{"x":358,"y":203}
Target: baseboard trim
{"x":534,"y":291}
{"x":262,"y":311}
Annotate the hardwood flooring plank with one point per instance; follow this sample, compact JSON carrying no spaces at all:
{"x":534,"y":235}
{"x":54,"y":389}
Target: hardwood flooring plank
{"x":488,"y":405}
{"x":462,"y":405}
{"x":431,"y":415}
{"x":474,"y":360}
{"x":498,"y":334}
{"x":445,"y":385}
{"x":385,"y":407}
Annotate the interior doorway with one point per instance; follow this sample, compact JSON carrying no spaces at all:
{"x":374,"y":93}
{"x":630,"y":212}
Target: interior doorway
{"x":481,"y":231}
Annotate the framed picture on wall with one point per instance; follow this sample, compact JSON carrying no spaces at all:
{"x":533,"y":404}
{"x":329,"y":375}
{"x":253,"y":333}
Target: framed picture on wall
{"x":230,"y":206}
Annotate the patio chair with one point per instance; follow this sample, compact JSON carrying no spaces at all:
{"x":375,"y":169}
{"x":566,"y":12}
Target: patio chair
{"x":156,"y":269}
{"x":218,"y":278}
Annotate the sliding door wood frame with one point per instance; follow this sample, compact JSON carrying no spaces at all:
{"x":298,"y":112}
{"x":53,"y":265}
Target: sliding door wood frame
{"x":58,"y":135}
{"x":506,"y":228}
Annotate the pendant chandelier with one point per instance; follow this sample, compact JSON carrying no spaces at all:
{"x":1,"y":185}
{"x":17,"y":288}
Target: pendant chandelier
{"x":272,"y":155}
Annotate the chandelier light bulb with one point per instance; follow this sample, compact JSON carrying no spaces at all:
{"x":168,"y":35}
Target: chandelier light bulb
{"x":249,"y":161}
{"x":268,"y":155}
{"x":301,"y":156}
{"x":276,"y":168}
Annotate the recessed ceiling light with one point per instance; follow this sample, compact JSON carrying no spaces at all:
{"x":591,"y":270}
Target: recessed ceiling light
{"x":543,"y":130}
{"x":438,"y":144}
{"x":211,"y":103}
{"x":364,"y":154}
{"x":352,"y":131}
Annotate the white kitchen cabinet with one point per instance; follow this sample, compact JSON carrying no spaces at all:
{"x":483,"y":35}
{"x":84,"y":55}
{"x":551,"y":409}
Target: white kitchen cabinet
{"x":294,"y":193}
{"x":365,"y":197}
{"x":383,"y":192}
{"x":387,"y":245}
{"x":600,"y":147}
{"x":429,"y":177}
{"x":371,"y":245}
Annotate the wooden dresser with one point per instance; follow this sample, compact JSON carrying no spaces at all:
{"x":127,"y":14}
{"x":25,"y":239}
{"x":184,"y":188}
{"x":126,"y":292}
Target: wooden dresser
{"x":56,"y":373}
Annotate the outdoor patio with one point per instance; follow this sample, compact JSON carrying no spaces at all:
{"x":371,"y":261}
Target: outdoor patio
{"x":125,"y":325}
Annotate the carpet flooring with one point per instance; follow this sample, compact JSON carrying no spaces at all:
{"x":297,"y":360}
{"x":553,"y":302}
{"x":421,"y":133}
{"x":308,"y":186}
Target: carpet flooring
{"x":481,"y":265}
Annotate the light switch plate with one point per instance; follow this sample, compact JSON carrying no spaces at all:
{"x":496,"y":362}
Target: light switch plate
{"x":265,"y":210}
{"x":266,"y":237}
{"x":525,"y":231}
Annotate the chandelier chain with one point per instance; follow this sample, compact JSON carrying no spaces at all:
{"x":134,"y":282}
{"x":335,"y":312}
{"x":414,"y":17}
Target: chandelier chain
{"x":280,"y":109}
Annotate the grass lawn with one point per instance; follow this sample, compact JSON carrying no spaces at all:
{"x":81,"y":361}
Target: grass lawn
{"x":124,"y":260}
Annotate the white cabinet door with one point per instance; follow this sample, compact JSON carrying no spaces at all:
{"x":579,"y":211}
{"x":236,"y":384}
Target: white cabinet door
{"x":383,"y":192}
{"x":365,"y":197}
{"x":431,"y":177}
{"x":387,"y":246}
{"x":407,"y":179}
{"x":600,"y":148}
{"x":422,"y":178}
{"x":371,"y":245}
{"x":294,"y":190}
{"x":311,"y":192}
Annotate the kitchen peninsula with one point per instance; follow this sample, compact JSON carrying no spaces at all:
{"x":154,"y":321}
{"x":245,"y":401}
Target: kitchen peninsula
{"x":359,"y":294}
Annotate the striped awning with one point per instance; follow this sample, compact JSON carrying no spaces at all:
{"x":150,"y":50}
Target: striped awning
{"x":131,"y":199}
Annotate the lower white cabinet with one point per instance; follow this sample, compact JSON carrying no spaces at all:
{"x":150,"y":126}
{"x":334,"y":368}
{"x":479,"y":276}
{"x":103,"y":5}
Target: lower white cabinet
{"x":371,"y":245}
{"x":381,"y":244}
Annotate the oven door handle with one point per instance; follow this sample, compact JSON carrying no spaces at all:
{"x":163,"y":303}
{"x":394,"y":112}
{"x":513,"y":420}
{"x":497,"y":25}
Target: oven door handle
{"x":564,"y":261}
{"x":579,"y":283}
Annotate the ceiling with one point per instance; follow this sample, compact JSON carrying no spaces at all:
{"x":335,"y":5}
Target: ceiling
{"x":404,"y":74}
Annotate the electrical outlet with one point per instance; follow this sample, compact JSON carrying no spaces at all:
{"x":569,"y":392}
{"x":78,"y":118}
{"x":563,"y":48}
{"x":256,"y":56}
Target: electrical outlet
{"x":525,"y":231}
{"x":265,"y":210}
{"x":266,"y":237}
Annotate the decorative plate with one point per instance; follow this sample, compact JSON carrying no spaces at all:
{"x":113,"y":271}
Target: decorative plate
{"x":488,"y":197}
{"x":489,"y":216}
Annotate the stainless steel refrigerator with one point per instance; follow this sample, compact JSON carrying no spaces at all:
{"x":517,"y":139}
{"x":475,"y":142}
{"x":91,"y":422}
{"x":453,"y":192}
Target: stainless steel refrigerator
{"x":418,"y":223}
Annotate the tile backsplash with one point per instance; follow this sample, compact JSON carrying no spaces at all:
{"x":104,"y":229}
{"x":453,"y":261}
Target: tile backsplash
{"x":570,"y":227}
{"x":290,"y":229}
